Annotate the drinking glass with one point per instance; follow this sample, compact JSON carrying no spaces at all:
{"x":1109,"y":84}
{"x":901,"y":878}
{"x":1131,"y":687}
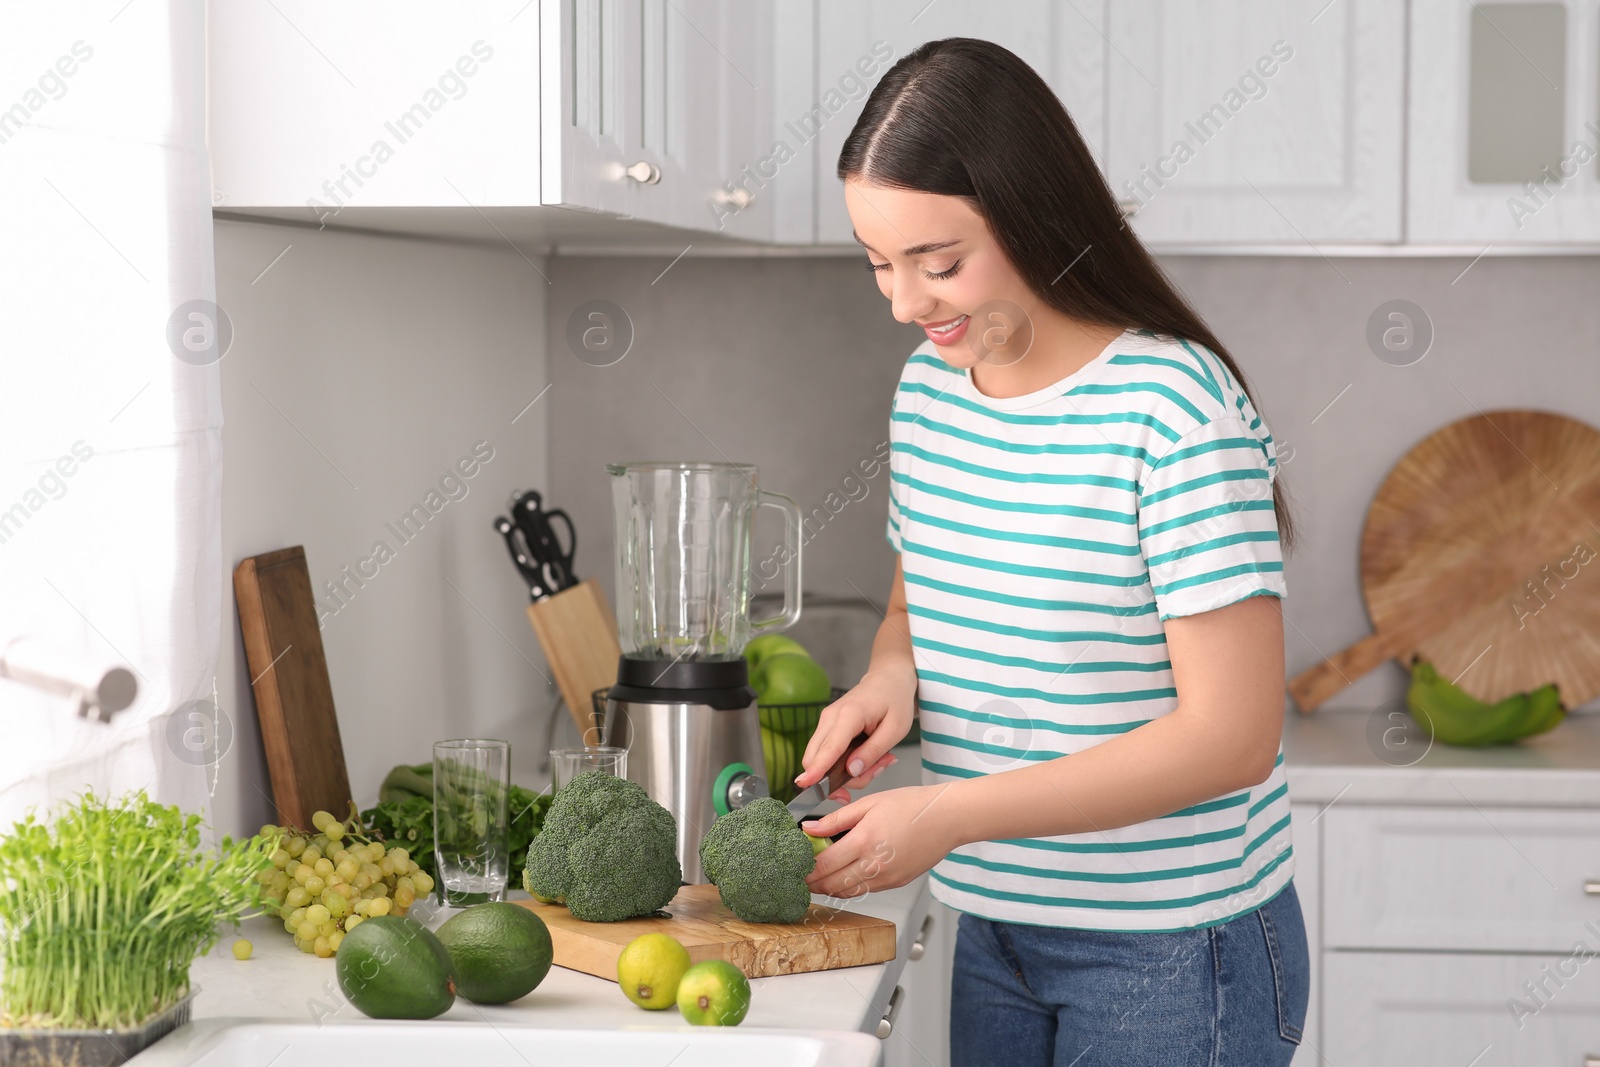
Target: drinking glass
{"x":471,"y":786}
{"x":566,"y":763}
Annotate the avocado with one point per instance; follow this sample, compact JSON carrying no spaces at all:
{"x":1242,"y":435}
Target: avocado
{"x":498,"y":952}
{"x":392,"y":967}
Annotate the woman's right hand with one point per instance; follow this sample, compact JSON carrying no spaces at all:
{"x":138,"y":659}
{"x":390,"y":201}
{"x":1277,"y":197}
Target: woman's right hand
{"x":862,"y":726}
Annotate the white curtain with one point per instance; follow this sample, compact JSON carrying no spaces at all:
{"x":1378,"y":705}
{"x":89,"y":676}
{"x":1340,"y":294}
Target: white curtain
{"x":110,"y":444}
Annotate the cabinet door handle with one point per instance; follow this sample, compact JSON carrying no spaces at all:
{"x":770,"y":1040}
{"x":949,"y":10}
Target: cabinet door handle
{"x":886,"y":1024}
{"x":644,"y":172}
{"x":1591,"y":1060}
{"x":919,"y":947}
{"x":1592,"y":887}
{"x":1130,"y":207}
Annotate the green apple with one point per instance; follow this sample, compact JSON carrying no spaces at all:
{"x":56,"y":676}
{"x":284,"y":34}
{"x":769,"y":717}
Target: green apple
{"x":783,"y":760}
{"x":714,"y":993}
{"x":770,"y":645}
{"x":790,"y":678}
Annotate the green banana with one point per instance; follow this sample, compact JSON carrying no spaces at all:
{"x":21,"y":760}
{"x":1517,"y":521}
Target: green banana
{"x":1451,"y":715}
{"x":1545,"y":710}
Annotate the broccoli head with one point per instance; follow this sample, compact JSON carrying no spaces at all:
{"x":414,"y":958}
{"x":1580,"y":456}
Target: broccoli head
{"x":606,"y":850}
{"x":758,"y":858}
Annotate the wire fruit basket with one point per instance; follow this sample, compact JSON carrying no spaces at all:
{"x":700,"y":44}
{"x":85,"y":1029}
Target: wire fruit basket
{"x":786,"y":730}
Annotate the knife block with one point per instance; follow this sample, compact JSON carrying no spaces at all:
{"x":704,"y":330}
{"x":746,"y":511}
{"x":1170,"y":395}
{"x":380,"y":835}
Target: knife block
{"x":579,"y":636}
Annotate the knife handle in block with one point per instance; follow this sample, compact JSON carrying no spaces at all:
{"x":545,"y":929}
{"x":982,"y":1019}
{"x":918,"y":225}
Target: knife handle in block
{"x":579,"y":636}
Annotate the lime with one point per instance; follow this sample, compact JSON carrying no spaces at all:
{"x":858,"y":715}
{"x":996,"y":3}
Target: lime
{"x":714,"y":993}
{"x":650,"y":968}
{"x":499,"y":951}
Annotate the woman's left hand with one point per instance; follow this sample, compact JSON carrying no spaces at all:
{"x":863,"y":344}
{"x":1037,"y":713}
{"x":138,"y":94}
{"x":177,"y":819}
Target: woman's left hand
{"x":894,"y":836}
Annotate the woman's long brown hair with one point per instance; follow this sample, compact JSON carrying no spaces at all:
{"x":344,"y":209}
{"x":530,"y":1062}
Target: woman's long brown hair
{"x":965,"y":117}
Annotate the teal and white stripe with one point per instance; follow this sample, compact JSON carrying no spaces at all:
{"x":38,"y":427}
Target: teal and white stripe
{"x":1045,"y":540}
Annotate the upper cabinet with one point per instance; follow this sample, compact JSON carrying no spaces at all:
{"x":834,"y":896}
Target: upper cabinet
{"x":1260,"y":124}
{"x":1257,"y":121}
{"x":856,"y":42}
{"x":668,"y":104}
{"x":1504,"y":122}
{"x":641,"y":109}
{"x":320,"y":106}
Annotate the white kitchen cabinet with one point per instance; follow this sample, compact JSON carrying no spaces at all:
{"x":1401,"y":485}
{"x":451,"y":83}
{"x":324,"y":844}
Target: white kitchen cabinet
{"x":706,"y":104}
{"x":372,"y":102}
{"x":1400,"y":1009}
{"x":1305,"y":834}
{"x":1064,"y":42}
{"x":637,"y":108}
{"x":1460,"y":879}
{"x":921,"y":1034}
{"x":1500,"y":91}
{"x":1257,"y":121}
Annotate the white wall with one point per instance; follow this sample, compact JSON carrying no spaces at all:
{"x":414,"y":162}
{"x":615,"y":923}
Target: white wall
{"x":362,"y":369}
{"x":790,"y":363}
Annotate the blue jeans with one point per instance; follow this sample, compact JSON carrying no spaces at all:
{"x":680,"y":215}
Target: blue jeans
{"x":1230,"y":995}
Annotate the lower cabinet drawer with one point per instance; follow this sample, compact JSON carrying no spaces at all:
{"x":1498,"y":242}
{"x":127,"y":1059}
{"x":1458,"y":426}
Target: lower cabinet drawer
{"x":1507,"y":879}
{"x":1402,"y":1009}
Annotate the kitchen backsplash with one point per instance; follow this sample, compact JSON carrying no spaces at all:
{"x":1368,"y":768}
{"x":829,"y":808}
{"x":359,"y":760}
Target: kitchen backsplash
{"x":422,"y":349}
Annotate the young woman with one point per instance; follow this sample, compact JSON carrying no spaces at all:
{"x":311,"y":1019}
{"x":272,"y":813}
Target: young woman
{"x":1085,"y":613}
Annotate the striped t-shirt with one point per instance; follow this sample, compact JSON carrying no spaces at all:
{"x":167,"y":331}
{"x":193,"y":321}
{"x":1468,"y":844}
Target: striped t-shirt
{"x":1045,"y":538}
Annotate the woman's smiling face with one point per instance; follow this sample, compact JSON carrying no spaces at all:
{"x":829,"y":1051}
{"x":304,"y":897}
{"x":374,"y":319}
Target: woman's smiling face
{"x":938,"y":264}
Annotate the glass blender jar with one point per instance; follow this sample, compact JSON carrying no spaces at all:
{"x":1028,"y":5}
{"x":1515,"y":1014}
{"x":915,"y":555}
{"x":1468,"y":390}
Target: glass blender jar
{"x":682,"y":705}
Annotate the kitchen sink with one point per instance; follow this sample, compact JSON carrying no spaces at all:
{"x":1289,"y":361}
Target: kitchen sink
{"x":240,"y":1043}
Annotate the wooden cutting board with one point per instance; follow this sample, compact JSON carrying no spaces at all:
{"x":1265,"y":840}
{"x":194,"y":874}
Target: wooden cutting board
{"x":1481,"y":554}
{"x":579,"y":638}
{"x":289,"y":676}
{"x":826,"y":938}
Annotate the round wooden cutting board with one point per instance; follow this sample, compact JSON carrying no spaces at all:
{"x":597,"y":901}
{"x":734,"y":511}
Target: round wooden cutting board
{"x":1482,"y":550}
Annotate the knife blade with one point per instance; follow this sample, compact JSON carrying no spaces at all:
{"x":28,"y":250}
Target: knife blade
{"x":812,"y":796}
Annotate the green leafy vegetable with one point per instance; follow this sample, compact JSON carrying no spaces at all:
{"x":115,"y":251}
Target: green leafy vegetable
{"x":103,"y":911}
{"x":404,"y":816}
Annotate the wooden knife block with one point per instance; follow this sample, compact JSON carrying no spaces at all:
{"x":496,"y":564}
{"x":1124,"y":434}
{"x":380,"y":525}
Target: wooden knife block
{"x":579,"y":636}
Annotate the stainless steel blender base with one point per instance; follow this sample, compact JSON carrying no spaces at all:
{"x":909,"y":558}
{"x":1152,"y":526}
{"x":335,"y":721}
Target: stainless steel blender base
{"x":680,"y":754}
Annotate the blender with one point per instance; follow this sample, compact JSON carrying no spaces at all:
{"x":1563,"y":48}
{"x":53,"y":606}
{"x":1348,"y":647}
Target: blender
{"x":682,"y":705}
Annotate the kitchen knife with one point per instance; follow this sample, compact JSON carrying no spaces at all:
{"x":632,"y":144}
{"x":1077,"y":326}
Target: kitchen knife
{"x":812,"y":796}
{"x":544,"y":547}
{"x":539,"y":585}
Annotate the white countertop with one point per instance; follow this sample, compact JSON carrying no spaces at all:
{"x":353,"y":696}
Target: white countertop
{"x":1343,"y":755}
{"x":279,"y":982}
{"x":1327,"y":756}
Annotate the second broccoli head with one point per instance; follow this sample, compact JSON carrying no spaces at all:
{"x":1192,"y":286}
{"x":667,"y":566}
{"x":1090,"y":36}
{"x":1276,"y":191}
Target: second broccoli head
{"x":758,"y":858}
{"x":606,"y":850}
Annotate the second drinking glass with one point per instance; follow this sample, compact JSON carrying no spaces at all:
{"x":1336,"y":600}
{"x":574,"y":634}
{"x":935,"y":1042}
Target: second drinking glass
{"x":471,"y":787}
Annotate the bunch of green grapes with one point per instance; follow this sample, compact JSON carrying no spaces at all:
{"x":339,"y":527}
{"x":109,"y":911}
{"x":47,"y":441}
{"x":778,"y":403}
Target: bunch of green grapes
{"x":325,"y":884}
